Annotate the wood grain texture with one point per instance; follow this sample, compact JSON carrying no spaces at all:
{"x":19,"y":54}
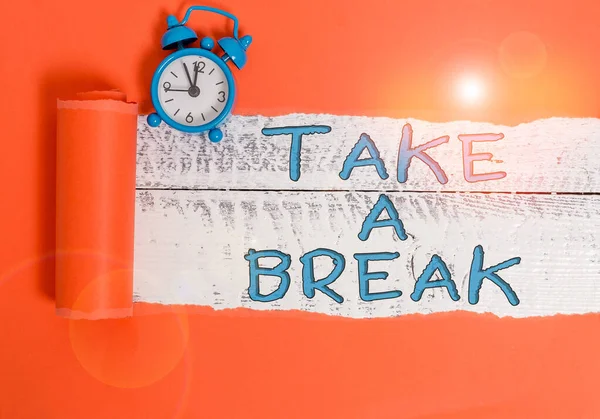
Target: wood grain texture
{"x":190,"y":246}
{"x":553,"y":155}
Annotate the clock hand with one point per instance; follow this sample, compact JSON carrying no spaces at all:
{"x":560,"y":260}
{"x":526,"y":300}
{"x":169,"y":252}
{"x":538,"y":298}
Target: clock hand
{"x":187,"y":73}
{"x":177,"y":90}
{"x":196,"y":73}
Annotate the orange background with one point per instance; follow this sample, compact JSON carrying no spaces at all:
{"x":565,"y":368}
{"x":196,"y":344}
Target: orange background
{"x":376,"y":57}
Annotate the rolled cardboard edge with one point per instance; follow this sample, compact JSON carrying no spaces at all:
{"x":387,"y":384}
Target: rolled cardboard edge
{"x":105,"y":101}
{"x":109,"y":100}
{"x":116,"y":313}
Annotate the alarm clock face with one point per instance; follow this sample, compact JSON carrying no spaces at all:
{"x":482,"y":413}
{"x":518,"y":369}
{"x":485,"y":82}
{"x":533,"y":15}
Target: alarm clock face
{"x":193,"y":90}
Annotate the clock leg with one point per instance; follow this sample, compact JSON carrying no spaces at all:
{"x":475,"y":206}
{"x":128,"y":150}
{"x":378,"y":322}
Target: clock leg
{"x":154,"y":120}
{"x":215,"y":135}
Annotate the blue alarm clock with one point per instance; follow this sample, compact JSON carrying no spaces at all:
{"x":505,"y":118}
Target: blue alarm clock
{"x":193,"y":89}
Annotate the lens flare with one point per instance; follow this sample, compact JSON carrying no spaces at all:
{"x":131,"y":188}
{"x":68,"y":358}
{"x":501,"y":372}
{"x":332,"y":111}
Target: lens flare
{"x":523,"y":55}
{"x":470,"y":90}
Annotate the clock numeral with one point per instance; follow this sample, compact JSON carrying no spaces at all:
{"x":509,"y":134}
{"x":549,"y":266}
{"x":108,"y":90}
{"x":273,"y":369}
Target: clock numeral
{"x":222,"y":96}
{"x":197,"y":65}
{"x":189,"y":118}
{"x":166,"y":86}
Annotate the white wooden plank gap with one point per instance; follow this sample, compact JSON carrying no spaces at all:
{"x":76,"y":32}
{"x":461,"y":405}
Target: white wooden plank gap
{"x":191,"y":245}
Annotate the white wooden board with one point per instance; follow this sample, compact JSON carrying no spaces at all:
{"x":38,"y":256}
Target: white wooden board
{"x":190,"y":245}
{"x":552,"y":155}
